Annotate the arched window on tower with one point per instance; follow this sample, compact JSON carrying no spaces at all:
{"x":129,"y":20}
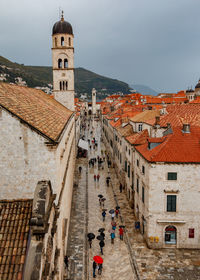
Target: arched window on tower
{"x":62,"y":41}
{"x":70,"y":42}
{"x":66,"y":85}
{"x":65,"y":63}
{"x":59,"y":63}
{"x":60,"y":85}
{"x":63,"y":85}
{"x":55,"y":42}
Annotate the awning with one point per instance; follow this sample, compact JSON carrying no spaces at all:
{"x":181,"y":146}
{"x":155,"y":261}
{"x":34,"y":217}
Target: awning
{"x":83,"y":144}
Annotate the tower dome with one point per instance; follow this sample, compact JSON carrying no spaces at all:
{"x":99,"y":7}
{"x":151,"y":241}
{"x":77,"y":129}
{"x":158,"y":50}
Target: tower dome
{"x":62,"y":27}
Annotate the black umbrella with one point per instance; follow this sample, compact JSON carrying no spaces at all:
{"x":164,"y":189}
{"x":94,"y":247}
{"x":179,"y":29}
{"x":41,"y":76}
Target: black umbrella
{"x":101,"y":229}
{"x":108,"y":178}
{"x":121,"y":226}
{"x":91,"y":235}
{"x":100,"y":237}
{"x":102,"y":234}
{"x":100,"y":195}
{"x":112,"y":211}
{"x":103,"y":199}
{"x":117,"y":207}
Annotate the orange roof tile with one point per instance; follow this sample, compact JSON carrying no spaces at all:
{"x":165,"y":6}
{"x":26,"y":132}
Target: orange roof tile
{"x":15,"y":216}
{"x":36,"y":108}
{"x":177,"y":147}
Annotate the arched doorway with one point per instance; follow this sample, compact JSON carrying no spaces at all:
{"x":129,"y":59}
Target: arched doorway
{"x":170,"y":235}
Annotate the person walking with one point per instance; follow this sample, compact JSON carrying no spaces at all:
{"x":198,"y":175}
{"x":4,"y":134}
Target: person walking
{"x":100,"y":201}
{"x":94,"y":266}
{"x":107,"y":182}
{"x":95,"y":177}
{"x":120,"y":187}
{"x":103,"y":215}
{"x":117,"y":212}
{"x":80,"y":169}
{"x":101,"y":245}
{"x":121,"y":233}
{"x":100,"y":267}
{"x":113,"y":216}
{"x":98,"y":176}
{"x":90,"y":242}
{"x":66,"y":261}
{"x":112,"y":236}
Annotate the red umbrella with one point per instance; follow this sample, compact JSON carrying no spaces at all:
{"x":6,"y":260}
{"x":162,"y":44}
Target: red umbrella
{"x":98,"y":259}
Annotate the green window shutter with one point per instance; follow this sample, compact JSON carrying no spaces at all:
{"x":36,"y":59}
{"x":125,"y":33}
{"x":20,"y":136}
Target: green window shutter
{"x":171,"y":203}
{"x":172,"y":176}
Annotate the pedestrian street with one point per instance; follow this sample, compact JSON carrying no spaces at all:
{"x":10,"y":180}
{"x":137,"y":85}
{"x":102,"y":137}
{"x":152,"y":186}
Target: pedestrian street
{"x":116,"y":257}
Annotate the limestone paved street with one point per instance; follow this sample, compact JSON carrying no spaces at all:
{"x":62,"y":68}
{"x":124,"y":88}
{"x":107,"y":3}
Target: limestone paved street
{"x":118,"y":258}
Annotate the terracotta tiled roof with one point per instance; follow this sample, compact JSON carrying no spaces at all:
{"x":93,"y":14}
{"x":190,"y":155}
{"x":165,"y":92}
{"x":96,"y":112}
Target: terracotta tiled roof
{"x":182,"y":113}
{"x":14,"y":230}
{"x":145,"y":116}
{"x":126,"y":130}
{"x":177,"y":147}
{"x":36,"y":108}
{"x":138,"y":138}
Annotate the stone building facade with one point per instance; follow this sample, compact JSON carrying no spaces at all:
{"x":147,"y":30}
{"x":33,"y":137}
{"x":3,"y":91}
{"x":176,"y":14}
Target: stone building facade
{"x":37,"y":143}
{"x":63,"y":63}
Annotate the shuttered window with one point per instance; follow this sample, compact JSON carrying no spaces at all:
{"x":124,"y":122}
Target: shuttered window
{"x":172,"y":176}
{"x":125,"y":166}
{"x":128,"y":171}
{"x":171,"y":203}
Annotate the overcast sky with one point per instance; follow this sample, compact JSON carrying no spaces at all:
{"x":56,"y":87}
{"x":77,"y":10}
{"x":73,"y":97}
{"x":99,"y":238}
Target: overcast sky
{"x":150,"y":42}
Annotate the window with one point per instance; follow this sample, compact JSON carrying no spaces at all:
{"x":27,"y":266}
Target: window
{"x":66,"y":85}
{"x":143,"y":169}
{"x":191,"y":232}
{"x":128,"y":171}
{"x":120,"y":158}
{"x":138,"y":185}
{"x":63,"y":85}
{"x":171,"y":176}
{"x":137,"y":162}
{"x":143,"y":194}
{"x":129,"y":151}
{"x":171,"y":203}
{"x":60,"y":85}
{"x":59,"y":63}
{"x":55,"y":42}
{"x":125,"y":166}
{"x":140,"y":127}
{"x":126,"y":148}
{"x":62,"y":41}
{"x":65,"y":63}
{"x":70,"y":42}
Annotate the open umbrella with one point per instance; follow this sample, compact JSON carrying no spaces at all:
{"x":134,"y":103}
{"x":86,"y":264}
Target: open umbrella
{"x":117,"y":207}
{"x":101,"y":229}
{"x":100,"y":237}
{"x":98,"y":259}
{"x":102,"y":234}
{"x":103,"y":199}
{"x":100,"y":195}
{"x":112,"y":211}
{"x":108,"y":178}
{"x":91,"y":235}
{"x":121,"y":226}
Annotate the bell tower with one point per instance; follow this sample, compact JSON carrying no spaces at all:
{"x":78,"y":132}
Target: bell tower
{"x":63,"y":63}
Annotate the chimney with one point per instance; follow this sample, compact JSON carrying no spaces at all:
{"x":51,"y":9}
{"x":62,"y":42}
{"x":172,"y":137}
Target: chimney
{"x":157,"y":120}
{"x":186,"y":128}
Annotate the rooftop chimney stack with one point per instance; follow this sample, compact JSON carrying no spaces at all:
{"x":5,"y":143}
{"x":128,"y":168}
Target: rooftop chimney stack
{"x":186,"y":128}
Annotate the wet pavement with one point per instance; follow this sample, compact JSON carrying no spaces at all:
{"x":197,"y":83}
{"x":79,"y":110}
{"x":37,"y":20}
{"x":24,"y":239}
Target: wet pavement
{"x":122,"y":259}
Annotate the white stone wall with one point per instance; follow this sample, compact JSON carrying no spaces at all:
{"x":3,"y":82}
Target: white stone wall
{"x":154,"y":209}
{"x":24,"y":159}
